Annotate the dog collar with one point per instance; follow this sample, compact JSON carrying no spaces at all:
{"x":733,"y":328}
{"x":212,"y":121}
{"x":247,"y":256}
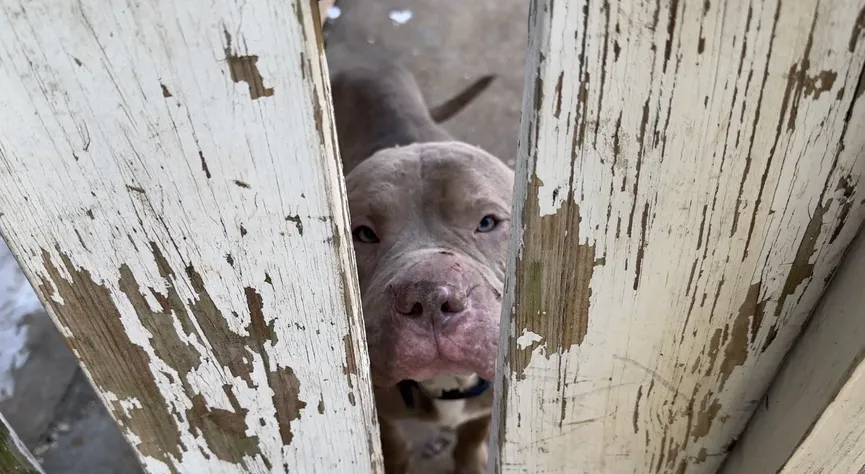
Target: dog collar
{"x":405,"y":390}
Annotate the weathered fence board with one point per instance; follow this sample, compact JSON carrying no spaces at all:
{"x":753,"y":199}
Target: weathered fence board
{"x":837,"y":440}
{"x":169,"y":183}
{"x":14,"y":456}
{"x":815,"y":407}
{"x":688,"y":179}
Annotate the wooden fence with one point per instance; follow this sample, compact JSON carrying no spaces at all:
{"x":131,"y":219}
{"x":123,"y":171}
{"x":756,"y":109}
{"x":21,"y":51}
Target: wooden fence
{"x":689,"y":179}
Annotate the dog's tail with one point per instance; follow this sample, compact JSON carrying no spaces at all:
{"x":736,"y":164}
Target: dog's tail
{"x":451,"y":107}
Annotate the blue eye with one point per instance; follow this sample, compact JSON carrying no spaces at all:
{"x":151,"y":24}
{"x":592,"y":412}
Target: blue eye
{"x":364,"y":235}
{"x":487,"y":224}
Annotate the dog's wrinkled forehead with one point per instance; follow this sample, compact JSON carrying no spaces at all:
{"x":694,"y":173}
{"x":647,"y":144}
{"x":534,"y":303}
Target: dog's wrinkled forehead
{"x":446,"y":179}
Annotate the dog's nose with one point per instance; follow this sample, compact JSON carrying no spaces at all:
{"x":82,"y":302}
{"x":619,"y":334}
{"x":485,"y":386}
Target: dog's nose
{"x":434,"y":300}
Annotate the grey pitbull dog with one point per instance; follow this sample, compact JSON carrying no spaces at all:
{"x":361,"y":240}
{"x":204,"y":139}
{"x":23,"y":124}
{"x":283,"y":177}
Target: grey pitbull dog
{"x":430,"y":218}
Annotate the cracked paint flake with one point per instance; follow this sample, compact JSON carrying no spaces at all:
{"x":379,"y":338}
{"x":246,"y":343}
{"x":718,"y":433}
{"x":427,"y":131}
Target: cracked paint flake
{"x":527,"y":338}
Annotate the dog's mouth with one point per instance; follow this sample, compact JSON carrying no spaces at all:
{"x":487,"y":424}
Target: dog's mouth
{"x":435,"y":314}
{"x":444,"y":388}
{"x":412,"y":351}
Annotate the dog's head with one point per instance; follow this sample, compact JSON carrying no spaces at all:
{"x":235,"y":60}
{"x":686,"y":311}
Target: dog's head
{"x":430,"y":223}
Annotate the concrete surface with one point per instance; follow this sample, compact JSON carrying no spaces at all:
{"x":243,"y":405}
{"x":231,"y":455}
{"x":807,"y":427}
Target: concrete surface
{"x":447,"y":44}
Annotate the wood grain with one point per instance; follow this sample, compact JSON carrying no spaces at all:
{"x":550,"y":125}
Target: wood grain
{"x":170,"y":184}
{"x":811,"y":419}
{"x":689,"y":177}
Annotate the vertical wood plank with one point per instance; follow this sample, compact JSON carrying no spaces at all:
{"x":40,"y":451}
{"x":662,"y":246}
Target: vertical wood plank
{"x":15,"y":458}
{"x":689,"y":177}
{"x":836,"y":442}
{"x":170,"y":184}
{"x":812,"y":418}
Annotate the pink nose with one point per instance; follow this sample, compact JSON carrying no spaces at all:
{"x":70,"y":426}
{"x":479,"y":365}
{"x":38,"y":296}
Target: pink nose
{"x":428,"y":299}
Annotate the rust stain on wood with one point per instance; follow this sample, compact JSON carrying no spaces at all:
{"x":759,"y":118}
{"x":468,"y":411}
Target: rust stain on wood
{"x":244,"y":69}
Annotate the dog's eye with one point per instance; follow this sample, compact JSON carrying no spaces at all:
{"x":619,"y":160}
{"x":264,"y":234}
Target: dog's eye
{"x":364,"y":234}
{"x":487,"y":224}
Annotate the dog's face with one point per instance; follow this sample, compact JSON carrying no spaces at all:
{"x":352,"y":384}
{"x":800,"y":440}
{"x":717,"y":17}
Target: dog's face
{"x":430,"y":223}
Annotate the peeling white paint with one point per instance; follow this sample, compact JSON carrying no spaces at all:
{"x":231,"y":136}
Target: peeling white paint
{"x":837,"y":441}
{"x":17,"y":300}
{"x":167,"y":94}
{"x":400,"y":16}
{"x":527,"y":338}
{"x":126,"y":404}
{"x":700,"y":173}
{"x":827,"y":433}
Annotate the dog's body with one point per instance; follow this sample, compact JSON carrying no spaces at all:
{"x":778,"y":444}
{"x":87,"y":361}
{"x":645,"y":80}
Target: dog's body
{"x":430,"y":221}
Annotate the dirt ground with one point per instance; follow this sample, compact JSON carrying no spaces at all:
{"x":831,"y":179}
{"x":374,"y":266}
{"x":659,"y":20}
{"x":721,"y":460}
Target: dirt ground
{"x":446,"y":43}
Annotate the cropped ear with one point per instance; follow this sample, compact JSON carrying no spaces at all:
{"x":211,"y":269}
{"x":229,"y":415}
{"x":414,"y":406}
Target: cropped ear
{"x":451,"y":107}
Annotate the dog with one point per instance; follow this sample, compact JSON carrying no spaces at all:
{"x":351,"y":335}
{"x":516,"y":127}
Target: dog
{"x":430,"y":219}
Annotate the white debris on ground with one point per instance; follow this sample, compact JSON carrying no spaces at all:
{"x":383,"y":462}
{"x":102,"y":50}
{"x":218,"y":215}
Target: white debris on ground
{"x":400,"y":16}
{"x":17,"y":300}
{"x":333,"y":12}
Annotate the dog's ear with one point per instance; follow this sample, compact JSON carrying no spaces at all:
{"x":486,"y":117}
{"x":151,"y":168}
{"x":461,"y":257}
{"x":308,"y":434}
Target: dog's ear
{"x":449,"y":108}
